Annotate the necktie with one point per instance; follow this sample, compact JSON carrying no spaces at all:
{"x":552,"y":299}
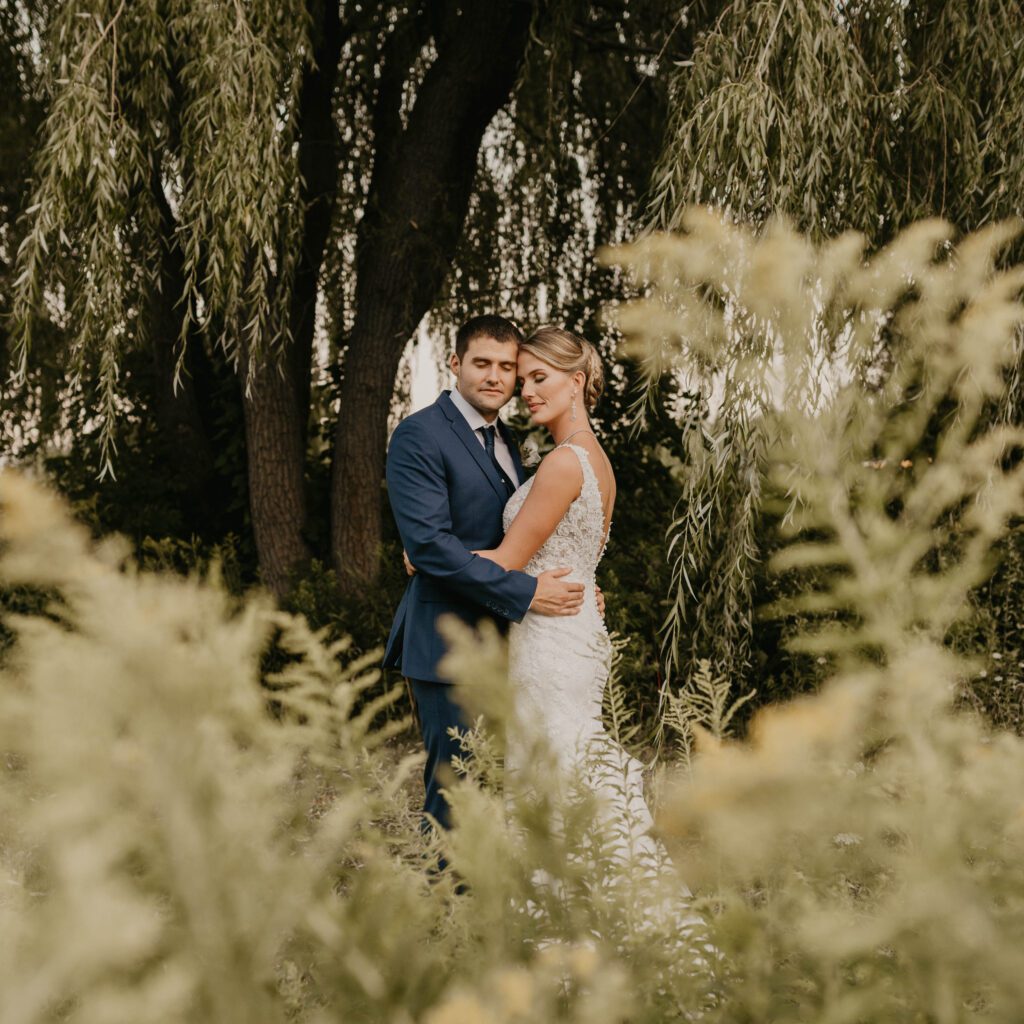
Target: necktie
{"x":489,"y":448}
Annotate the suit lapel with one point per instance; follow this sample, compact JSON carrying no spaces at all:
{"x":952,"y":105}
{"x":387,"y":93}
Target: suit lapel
{"x":472,"y":443}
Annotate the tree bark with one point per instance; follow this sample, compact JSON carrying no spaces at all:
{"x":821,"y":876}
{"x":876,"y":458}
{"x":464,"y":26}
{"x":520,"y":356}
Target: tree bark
{"x":277,"y":396}
{"x":318,"y":166}
{"x":419,"y":194}
{"x":275,"y":459}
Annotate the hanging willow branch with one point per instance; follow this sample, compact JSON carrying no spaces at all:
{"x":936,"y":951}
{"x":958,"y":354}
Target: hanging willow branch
{"x":864,"y":115}
{"x":206,"y":92}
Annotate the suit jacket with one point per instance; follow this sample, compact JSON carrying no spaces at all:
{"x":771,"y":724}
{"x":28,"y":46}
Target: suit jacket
{"x":447,"y":500}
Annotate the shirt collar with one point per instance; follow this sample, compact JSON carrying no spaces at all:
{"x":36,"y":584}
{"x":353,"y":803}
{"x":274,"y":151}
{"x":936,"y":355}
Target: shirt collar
{"x":472,"y":416}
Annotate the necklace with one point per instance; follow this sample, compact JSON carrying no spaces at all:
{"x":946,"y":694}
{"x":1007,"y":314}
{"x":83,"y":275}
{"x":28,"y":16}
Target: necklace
{"x":582,"y":430}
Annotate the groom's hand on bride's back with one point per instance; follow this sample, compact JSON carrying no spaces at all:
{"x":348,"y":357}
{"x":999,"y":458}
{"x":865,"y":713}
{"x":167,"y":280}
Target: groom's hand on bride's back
{"x":555,"y":596}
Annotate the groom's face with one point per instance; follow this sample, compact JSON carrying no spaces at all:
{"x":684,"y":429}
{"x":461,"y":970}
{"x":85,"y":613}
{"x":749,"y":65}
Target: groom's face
{"x":486,"y":374}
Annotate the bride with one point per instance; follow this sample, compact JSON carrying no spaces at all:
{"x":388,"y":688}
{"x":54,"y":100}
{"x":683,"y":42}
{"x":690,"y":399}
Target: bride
{"x":561,"y":516}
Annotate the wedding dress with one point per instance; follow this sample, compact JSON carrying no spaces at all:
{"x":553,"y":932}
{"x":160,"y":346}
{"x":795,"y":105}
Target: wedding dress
{"x":558,"y":669}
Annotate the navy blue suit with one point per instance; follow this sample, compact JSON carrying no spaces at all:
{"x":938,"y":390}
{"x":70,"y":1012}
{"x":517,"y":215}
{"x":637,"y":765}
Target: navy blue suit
{"x":447,"y":498}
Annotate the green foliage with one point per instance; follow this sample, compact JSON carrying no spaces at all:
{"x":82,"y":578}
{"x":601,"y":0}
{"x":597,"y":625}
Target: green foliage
{"x":214,"y":182}
{"x":704,"y":707}
{"x":190,"y":97}
{"x":20,"y":115}
{"x":859,"y":114}
{"x":705,"y":311}
{"x":566,"y":166}
{"x":864,"y":848}
{"x":854,"y":115}
{"x":177,"y":125}
{"x":364,"y":617}
{"x":174,"y":847}
{"x":147,"y":503}
{"x":993,"y":637}
{"x":157,"y":847}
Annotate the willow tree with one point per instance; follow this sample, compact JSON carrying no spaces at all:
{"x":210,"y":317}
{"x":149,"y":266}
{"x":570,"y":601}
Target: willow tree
{"x":19,"y":120}
{"x":560,"y":168}
{"x":863,"y":114}
{"x":248,"y":185}
{"x":166,"y":210}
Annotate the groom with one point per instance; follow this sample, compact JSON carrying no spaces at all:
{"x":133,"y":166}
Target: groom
{"x":451,"y":467}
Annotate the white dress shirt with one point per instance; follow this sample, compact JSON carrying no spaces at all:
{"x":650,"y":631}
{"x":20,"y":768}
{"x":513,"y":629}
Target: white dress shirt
{"x":476,"y":423}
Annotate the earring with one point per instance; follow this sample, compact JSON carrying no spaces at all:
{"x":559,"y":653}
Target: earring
{"x":572,"y":415}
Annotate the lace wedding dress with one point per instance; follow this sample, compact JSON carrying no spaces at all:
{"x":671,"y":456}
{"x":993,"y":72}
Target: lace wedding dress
{"x":558,"y":668}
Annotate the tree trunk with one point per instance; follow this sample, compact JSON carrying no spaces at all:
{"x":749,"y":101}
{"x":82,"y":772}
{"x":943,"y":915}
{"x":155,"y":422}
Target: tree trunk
{"x":357,"y":482}
{"x":318,"y":166}
{"x":277,"y":402}
{"x":176,"y":409}
{"x":419,"y":195}
{"x":275,"y":450}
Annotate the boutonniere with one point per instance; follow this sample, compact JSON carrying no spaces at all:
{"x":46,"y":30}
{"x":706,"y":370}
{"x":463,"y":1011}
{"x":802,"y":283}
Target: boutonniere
{"x":529,"y":453}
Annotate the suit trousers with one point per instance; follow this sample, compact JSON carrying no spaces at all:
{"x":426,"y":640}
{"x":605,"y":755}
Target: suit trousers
{"x":438,"y":711}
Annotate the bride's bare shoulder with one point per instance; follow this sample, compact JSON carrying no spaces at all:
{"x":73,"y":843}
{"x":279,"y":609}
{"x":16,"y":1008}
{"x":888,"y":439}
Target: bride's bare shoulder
{"x":563,"y":463}
{"x":555,"y":486}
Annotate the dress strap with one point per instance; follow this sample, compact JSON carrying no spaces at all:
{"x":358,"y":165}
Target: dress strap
{"x":585,"y":465}
{"x":582,"y":454}
{"x":590,"y":474}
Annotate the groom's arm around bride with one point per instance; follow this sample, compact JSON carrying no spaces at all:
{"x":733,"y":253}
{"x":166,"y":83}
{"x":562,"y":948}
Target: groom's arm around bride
{"x":425,"y":501}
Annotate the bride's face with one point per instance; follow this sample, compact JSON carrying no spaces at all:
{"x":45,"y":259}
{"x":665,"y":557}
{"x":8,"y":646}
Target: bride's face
{"x":546,"y":391}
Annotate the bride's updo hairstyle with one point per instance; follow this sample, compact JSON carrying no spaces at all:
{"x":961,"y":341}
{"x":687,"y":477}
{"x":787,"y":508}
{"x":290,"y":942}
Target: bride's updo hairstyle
{"x":569,"y":352}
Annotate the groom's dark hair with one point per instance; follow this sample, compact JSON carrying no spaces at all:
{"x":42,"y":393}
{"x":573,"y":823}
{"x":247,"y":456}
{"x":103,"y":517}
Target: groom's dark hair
{"x":489,"y":326}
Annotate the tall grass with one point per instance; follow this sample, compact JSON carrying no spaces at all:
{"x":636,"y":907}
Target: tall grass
{"x":185,"y":837}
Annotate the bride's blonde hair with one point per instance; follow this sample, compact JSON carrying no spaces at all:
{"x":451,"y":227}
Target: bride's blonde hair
{"x":569,"y":352}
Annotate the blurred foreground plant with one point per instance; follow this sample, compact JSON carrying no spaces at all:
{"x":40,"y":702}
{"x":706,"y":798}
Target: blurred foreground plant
{"x":160,"y":858}
{"x":181,"y":840}
{"x":865,"y":848}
